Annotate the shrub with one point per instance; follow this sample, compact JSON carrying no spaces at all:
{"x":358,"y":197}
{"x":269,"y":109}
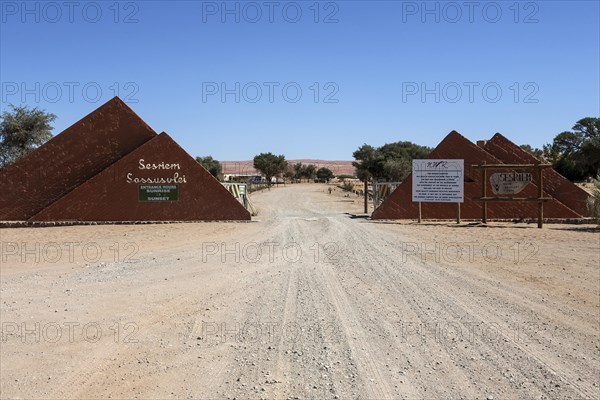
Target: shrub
{"x":347,"y":187}
{"x":594,"y":200}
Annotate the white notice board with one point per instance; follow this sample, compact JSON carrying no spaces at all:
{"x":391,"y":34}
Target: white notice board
{"x":438,"y":181}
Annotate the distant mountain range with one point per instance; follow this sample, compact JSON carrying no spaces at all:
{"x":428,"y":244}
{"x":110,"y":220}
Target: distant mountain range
{"x":247,"y":167}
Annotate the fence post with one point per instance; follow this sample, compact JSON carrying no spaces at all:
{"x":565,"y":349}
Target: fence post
{"x":366,"y":196}
{"x":540,"y":195}
{"x":484,"y":193}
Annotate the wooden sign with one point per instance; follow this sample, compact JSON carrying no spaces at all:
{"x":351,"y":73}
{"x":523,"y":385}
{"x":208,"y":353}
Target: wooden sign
{"x":510,"y":182}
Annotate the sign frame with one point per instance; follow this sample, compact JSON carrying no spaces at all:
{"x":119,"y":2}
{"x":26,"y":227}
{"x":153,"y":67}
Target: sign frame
{"x":171,"y":191}
{"x":438,"y":181}
{"x":540,"y":199}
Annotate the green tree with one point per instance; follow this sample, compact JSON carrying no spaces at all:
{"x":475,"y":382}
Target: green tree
{"x":324,"y":174}
{"x":289,"y":172}
{"x":392,"y":161}
{"x":588,"y":127}
{"x":397,"y":169}
{"x":363,"y":175}
{"x":403,"y":151}
{"x":211,"y":165}
{"x":576,"y":154}
{"x":309,"y":171}
{"x":537,"y":153}
{"x":566,"y":166}
{"x":365,"y":157}
{"x":22,"y":130}
{"x":588,"y":157}
{"x":567,"y":143}
{"x":270,"y":165}
{"x":298,"y":170}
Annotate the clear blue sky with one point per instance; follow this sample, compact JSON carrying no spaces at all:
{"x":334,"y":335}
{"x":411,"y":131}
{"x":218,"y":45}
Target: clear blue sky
{"x":373,"y":57}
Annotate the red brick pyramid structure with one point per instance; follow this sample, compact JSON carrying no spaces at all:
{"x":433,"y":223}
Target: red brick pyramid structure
{"x":70,"y":158}
{"x":567,"y":199}
{"x":111,"y":166}
{"x":555,"y":184}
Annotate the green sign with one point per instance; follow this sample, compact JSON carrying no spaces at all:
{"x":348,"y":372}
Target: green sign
{"x":158,"y":192}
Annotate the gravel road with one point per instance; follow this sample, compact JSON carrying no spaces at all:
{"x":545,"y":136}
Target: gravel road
{"x":311,"y":300}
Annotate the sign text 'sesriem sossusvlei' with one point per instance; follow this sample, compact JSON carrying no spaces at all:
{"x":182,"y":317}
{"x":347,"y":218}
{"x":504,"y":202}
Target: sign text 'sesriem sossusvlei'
{"x":176,"y":178}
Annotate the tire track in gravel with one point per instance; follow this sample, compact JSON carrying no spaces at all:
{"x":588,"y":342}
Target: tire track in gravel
{"x":341,"y":371}
{"x":477,"y":280}
{"x":307,"y":226}
{"x":489,"y":317}
{"x":304,"y":356}
{"x":374,"y":382}
{"x":283,"y":368}
{"x":268,"y":305}
{"x":450,"y":295}
{"x":413,"y":306}
{"x":360,"y":257}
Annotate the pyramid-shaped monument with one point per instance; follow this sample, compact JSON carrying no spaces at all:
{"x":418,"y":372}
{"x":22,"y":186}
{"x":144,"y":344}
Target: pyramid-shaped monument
{"x":555,"y":184}
{"x":111,"y":166}
{"x":157,"y":181}
{"x":70,"y":158}
{"x":399,"y":204}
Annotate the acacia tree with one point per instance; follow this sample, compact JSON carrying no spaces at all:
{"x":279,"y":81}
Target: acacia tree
{"x":309,"y":171}
{"x":298,"y":170}
{"x":289,"y":172}
{"x":365,"y":160}
{"x":397,"y":169}
{"x":22,"y":130}
{"x":392,"y":161}
{"x":324,"y":174}
{"x":211,"y":165}
{"x":576,"y":154}
{"x":536,"y":152}
{"x":270,"y":165}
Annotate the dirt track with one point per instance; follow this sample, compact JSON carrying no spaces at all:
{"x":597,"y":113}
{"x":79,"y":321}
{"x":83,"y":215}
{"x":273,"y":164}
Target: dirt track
{"x":331,"y":306}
